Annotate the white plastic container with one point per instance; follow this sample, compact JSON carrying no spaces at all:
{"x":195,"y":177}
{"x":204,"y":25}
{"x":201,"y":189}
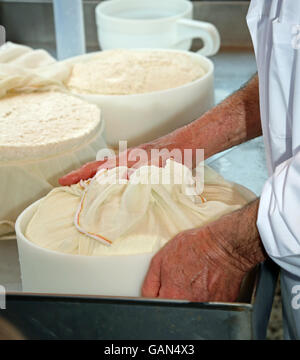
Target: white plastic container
{"x":47,"y":271}
{"x":144,"y":117}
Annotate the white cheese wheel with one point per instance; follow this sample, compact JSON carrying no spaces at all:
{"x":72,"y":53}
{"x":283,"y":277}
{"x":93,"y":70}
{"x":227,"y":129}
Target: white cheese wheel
{"x":126,"y":72}
{"x":43,"y":136}
{"x":43,"y":124}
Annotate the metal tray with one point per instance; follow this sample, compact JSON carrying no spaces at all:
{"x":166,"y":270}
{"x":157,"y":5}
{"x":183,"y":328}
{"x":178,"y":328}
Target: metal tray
{"x":52,"y":316}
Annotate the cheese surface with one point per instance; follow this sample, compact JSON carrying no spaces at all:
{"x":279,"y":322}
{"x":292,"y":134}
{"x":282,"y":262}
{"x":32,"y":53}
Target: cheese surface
{"x":42,"y":124}
{"x":127,"y":72}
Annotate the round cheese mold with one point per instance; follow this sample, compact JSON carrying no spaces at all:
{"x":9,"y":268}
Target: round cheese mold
{"x":42,"y":124}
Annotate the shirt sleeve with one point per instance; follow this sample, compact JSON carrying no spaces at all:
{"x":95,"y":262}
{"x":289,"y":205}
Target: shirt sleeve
{"x":279,"y":215}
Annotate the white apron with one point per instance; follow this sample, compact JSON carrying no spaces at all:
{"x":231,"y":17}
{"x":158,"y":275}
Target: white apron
{"x":275,"y":31}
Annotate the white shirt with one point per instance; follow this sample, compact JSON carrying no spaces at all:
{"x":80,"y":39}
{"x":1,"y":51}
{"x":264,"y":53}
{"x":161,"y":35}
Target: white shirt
{"x":273,"y":24}
{"x":275,"y":31}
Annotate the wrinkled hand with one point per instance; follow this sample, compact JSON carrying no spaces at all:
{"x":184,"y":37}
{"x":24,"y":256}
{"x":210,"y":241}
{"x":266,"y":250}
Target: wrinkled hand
{"x":209,"y":263}
{"x":132,"y":158}
{"x":88,"y":170}
{"x":193,"y":267}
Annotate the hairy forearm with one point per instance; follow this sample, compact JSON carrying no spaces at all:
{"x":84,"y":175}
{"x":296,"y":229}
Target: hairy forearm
{"x":230,"y":123}
{"x":235,"y":120}
{"x":238,"y":235}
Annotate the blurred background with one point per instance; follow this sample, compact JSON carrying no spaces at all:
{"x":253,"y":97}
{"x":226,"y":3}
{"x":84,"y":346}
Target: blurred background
{"x":31,"y":22}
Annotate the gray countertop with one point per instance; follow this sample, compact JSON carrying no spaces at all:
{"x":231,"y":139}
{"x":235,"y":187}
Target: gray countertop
{"x":244,"y":164}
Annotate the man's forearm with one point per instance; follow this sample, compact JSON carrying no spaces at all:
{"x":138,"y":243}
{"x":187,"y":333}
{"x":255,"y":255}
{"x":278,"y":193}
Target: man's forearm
{"x":235,"y":120}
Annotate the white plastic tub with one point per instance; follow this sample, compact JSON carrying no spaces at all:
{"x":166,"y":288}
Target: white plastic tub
{"x":47,"y":271}
{"x":144,"y":117}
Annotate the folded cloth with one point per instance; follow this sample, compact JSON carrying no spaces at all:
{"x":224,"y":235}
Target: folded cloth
{"x":25,"y":69}
{"x":106,"y":217}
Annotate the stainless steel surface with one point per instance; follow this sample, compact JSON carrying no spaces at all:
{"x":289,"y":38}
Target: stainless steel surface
{"x":228,"y":16}
{"x":10,"y":276}
{"x":234,"y":67}
{"x":90,"y":317}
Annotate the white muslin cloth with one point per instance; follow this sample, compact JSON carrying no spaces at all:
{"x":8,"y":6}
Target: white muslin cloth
{"x":132,"y":216}
{"x":24,"y":69}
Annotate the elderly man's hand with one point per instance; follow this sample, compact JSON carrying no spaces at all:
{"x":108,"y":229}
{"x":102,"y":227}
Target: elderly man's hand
{"x":209,"y":263}
{"x":194,"y":266}
{"x":131,"y":158}
{"x":89,"y":170}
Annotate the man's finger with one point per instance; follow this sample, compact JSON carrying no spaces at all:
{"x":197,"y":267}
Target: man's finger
{"x":173,"y":286}
{"x":173,"y":292}
{"x":85,"y":172}
{"x":152,"y":281}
